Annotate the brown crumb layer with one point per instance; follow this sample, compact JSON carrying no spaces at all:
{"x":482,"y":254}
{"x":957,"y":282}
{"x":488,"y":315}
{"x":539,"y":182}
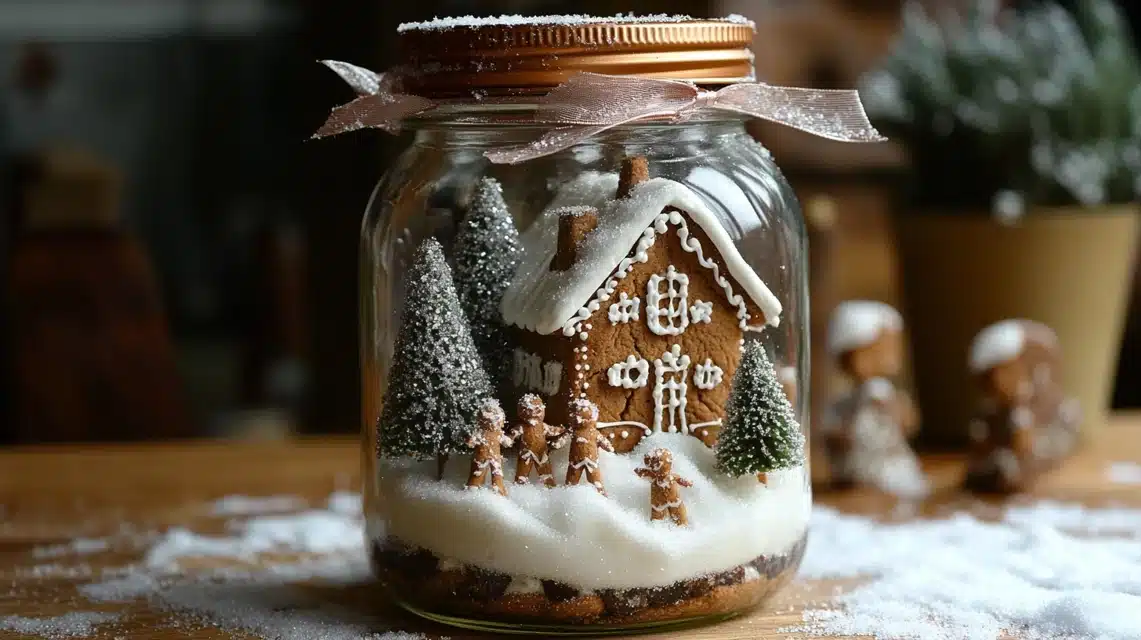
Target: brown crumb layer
{"x":415,"y":576}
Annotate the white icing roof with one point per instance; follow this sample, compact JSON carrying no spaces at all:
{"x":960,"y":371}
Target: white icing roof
{"x":1004,"y":341}
{"x":544,"y":301}
{"x":858,"y":323}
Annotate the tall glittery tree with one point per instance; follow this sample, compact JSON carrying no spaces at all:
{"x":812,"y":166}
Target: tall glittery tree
{"x":437,"y":381}
{"x":485,"y":256}
{"x":760,"y":432}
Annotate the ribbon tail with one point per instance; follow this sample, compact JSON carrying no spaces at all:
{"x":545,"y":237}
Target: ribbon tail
{"x":377,"y":112}
{"x":552,"y":141}
{"x":364,"y":82}
{"x":828,"y":113}
{"x":567,"y":134}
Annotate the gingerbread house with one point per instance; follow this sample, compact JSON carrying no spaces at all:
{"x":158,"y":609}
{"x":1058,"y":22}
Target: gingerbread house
{"x":635,"y":297}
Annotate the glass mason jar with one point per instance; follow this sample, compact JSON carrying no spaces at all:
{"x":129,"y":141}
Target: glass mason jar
{"x":618,"y":333}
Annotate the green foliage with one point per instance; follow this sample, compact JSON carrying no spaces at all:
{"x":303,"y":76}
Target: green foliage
{"x":436,"y":383}
{"x":1014,"y":109}
{"x":486,"y":253}
{"x":760,"y":432}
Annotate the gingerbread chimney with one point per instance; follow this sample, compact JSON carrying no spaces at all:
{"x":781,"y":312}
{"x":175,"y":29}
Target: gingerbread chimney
{"x":635,"y":170}
{"x":574,"y":224}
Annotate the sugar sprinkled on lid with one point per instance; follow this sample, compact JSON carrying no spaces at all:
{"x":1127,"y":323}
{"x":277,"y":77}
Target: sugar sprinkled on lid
{"x":469,"y":21}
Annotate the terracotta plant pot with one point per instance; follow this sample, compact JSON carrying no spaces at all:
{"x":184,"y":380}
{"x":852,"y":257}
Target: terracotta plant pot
{"x":1068,"y":268}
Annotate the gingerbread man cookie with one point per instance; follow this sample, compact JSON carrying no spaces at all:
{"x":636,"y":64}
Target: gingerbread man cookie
{"x":534,"y":438}
{"x":487,"y":459}
{"x":1025,"y":423}
{"x":866,"y":430}
{"x":665,"y":495}
{"x":586,"y":440}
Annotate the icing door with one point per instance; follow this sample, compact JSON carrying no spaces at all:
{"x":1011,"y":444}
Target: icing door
{"x":670,"y":387}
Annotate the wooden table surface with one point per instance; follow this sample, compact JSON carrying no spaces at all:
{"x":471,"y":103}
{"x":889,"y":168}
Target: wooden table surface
{"x":53,"y":495}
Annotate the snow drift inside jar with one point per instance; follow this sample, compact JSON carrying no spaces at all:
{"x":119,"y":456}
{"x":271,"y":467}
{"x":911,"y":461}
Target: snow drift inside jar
{"x":577,"y":536}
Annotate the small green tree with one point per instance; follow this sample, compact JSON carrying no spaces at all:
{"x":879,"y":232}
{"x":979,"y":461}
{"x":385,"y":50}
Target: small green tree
{"x":436,"y":382}
{"x":760,"y":432}
{"x":485,"y":255}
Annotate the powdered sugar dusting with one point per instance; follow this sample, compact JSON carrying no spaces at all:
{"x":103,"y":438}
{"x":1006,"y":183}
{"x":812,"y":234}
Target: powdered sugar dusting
{"x":1124,"y":473}
{"x":249,"y":506}
{"x":471,"y":22}
{"x":79,"y":546}
{"x":247,"y":579}
{"x":962,"y":577}
{"x":77,"y":624}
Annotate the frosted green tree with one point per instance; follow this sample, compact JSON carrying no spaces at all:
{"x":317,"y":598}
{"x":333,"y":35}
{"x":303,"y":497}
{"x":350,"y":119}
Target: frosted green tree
{"x":485,"y":255}
{"x":760,"y":432}
{"x":436,"y":382}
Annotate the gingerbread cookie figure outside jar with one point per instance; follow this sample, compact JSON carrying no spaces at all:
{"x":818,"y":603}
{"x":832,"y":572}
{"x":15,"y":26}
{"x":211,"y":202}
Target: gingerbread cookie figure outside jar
{"x":618,"y":283}
{"x":866,"y":429}
{"x":1025,"y":423}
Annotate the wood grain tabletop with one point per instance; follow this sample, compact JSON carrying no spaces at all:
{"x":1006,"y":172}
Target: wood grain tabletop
{"x":52,"y":495}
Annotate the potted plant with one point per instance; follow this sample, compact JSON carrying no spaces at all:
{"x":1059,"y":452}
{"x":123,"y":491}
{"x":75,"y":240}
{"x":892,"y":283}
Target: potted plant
{"x":1024,"y":134}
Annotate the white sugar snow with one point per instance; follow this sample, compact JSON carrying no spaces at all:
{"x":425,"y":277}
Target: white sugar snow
{"x":250,"y":593}
{"x":1124,"y":473}
{"x":961,"y":577}
{"x":76,"y":624}
{"x":1040,"y":571}
{"x":577,"y":536}
{"x":78,"y":546}
{"x":316,"y":531}
{"x":457,"y":22}
{"x":238,"y":505}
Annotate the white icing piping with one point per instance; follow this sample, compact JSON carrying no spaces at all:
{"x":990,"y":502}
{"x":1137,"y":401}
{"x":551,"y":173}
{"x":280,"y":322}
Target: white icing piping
{"x":701,"y":425}
{"x":582,"y":351}
{"x":626,"y":423}
{"x":689,"y":244}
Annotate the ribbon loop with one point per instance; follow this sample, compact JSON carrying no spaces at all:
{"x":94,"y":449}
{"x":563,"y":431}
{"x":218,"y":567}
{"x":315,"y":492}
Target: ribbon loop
{"x":587,"y":104}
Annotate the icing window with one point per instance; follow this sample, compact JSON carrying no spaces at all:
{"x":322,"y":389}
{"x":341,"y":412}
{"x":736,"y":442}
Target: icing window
{"x":631,"y":374}
{"x":666,"y":310}
{"x":526,"y":368}
{"x":552,"y":376}
{"x":625,"y":310}
{"x":530,"y":372}
{"x":707,"y":375}
{"x":701,"y":311}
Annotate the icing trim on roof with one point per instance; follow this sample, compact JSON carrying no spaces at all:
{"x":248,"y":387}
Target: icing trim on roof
{"x":689,"y":244}
{"x":544,"y":301}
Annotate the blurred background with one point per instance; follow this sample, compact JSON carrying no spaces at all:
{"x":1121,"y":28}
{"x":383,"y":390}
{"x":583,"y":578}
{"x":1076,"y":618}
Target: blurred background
{"x":178,"y":261}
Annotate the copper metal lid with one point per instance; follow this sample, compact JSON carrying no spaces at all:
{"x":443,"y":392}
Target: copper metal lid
{"x":444,"y":59}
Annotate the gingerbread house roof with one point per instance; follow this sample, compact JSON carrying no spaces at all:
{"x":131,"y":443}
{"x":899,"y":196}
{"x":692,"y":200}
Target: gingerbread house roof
{"x":546,"y":301}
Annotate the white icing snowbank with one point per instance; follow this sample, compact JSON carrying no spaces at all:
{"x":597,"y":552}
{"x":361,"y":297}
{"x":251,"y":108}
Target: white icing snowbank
{"x":543,"y":300}
{"x":576,"y":536}
{"x":1000,"y":342}
{"x":858,"y":323}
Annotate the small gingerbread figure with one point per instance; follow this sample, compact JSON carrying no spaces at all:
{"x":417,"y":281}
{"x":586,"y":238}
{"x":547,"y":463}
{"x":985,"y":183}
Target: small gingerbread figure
{"x":534,"y":437}
{"x":866,"y":430}
{"x":1025,"y":423}
{"x":664,"y":493}
{"x":586,"y":440}
{"x":487,"y":459}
